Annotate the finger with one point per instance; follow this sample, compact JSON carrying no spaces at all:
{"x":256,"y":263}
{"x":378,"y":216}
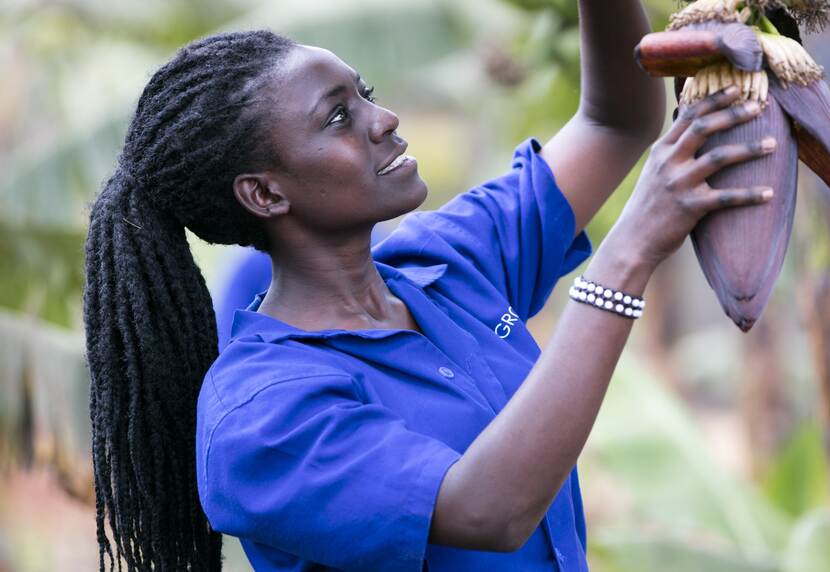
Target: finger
{"x":702,"y":127}
{"x":714,"y":160}
{"x":688,"y":114}
{"x":714,"y":199}
{"x":707,"y":105}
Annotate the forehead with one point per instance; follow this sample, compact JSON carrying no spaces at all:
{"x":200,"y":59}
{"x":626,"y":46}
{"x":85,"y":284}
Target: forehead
{"x":308,"y":71}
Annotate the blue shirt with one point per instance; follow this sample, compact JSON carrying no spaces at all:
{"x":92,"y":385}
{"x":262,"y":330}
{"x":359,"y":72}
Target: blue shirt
{"x":325,"y":450}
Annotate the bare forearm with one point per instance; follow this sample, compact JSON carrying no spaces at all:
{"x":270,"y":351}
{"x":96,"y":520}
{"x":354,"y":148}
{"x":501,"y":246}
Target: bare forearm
{"x":498,"y":491}
{"x":614,"y":91}
{"x":510,"y":474}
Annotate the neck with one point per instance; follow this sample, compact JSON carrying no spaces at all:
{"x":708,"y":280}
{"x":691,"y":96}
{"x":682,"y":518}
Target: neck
{"x":321,"y":283}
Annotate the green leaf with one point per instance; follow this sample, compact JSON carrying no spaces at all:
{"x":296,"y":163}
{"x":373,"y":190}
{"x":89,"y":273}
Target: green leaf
{"x":797,"y":479}
{"x":664,"y":478}
{"x":809,"y":549}
{"x":643,"y":552}
{"x":52,"y":190}
{"x":42,"y":272}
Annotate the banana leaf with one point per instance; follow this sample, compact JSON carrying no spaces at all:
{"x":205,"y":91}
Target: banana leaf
{"x":669,"y":495}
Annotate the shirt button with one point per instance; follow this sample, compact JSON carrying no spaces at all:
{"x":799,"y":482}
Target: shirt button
{"x":446,"y":372}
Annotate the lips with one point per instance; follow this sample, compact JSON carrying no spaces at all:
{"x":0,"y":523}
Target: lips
{"x":400,"y":160}
{"x":394,"y":160}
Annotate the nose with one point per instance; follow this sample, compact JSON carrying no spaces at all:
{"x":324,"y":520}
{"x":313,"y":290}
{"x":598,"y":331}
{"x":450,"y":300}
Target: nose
{"x":384,"y":121}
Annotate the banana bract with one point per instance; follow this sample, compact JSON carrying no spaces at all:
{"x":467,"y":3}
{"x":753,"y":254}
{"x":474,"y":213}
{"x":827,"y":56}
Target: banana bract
{"x":716,"y":44}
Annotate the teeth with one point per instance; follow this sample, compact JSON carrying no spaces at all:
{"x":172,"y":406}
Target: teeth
{"x":395,"y":163}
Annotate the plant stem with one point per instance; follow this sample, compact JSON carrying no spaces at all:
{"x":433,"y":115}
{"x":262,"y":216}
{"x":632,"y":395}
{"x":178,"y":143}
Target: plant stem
{"x":766,"y":26}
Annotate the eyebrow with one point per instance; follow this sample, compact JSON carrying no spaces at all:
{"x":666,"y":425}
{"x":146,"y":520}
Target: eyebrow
{"x":333,"y":92}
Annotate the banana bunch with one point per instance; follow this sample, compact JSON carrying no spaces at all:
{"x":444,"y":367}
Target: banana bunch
{"x":754,"y":86}
{"x":704,"y":11}
{"x":709,"y":46}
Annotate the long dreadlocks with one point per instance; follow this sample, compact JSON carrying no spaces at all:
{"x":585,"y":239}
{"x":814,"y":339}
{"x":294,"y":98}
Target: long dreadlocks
{"x":150,"y":328}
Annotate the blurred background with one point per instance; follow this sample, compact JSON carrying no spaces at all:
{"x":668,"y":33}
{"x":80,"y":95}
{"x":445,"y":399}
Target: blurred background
{"x":711,"y":450}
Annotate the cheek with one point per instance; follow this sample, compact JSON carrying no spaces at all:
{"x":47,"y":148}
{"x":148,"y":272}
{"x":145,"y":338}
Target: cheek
{"x":331,"y":188}
{"x":344,"y":152}
{"x":334,"y":184}
{"x":329,"y":171}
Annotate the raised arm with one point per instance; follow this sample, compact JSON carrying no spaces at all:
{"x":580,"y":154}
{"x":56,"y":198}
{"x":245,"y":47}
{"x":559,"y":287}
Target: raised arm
{"x":621,"y":109}
{"x":494,"y":497}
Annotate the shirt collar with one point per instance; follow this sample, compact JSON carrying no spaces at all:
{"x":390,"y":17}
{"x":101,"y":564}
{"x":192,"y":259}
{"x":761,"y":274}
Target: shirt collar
{"x":249,"y":322}
{"x":421,"y":276}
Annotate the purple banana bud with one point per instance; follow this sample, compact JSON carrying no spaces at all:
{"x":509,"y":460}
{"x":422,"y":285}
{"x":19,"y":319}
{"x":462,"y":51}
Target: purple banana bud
{"x":684,"y":51}
{"x":711,"y":44}
{"x":737,"y":42}
{"x":809,"y":107}
{"x":741,"y":249}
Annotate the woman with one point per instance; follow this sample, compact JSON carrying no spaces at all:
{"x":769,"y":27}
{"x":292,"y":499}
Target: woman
{"x":376,"y":409}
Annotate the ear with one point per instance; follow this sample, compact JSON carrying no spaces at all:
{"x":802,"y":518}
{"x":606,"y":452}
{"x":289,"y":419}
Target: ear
{"x":260,"y":195}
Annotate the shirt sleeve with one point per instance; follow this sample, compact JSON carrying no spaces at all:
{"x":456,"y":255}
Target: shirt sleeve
{"x":307,"y":467}
{"x":517,"y":230}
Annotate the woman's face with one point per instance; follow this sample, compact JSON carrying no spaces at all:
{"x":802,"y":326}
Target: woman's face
{"x":333,"y":142}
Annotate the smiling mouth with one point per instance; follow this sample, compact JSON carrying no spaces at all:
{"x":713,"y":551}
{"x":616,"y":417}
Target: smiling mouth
{"x":397,"y":162}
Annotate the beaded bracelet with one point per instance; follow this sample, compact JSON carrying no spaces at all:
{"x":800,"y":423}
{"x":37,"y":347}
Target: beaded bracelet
{"x":605,"y":298}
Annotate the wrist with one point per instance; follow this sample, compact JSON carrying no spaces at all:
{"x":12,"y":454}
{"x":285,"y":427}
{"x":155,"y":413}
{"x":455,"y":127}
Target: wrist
{"x":618,"y":264}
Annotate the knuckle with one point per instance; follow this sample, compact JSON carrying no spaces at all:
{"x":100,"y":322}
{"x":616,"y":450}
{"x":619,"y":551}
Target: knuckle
{"x":687,"y":207}
{"x":719,"y":98}
{"x":658,"y":150}
{"x":688,"y":113}
{"x":736,"y":113}
{"x":661,"y":160}
{"x":699,"y":126}
{"x":726,"y":198}
{"x":718,"y":156}
{"x":725,"y":96}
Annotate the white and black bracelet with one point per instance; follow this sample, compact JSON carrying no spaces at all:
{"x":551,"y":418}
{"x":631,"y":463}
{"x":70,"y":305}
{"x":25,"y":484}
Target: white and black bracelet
{"x":607,"y":299}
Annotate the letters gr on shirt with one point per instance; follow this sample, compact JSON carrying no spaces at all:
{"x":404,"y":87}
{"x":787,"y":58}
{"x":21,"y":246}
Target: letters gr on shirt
{"x":505,"y":326}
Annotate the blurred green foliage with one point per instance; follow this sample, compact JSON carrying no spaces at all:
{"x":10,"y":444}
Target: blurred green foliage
{"x":797,"y":481}
{"x":75,"y":82}
{"x":672,"y":507}
{"x":470,"y":79}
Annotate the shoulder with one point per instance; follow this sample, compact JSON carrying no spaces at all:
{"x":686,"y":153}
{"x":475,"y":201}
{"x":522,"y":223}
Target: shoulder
{"x":255,"y":386}
{"x":248,"y":366}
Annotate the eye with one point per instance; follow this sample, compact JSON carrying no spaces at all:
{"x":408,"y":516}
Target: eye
{"x":339,"y":116}
{"x":367,"y":94}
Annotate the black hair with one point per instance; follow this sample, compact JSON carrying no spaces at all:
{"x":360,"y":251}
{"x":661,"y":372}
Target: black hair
{"x":150,"y":327}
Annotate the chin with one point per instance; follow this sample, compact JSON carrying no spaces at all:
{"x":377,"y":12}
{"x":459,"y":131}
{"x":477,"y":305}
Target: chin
{"x":405,"y":202}
{"x":417,"y":197}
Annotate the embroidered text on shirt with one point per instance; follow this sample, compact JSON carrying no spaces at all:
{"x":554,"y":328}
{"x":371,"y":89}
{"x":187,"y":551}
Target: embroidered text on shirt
{"x":505,"y":326}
